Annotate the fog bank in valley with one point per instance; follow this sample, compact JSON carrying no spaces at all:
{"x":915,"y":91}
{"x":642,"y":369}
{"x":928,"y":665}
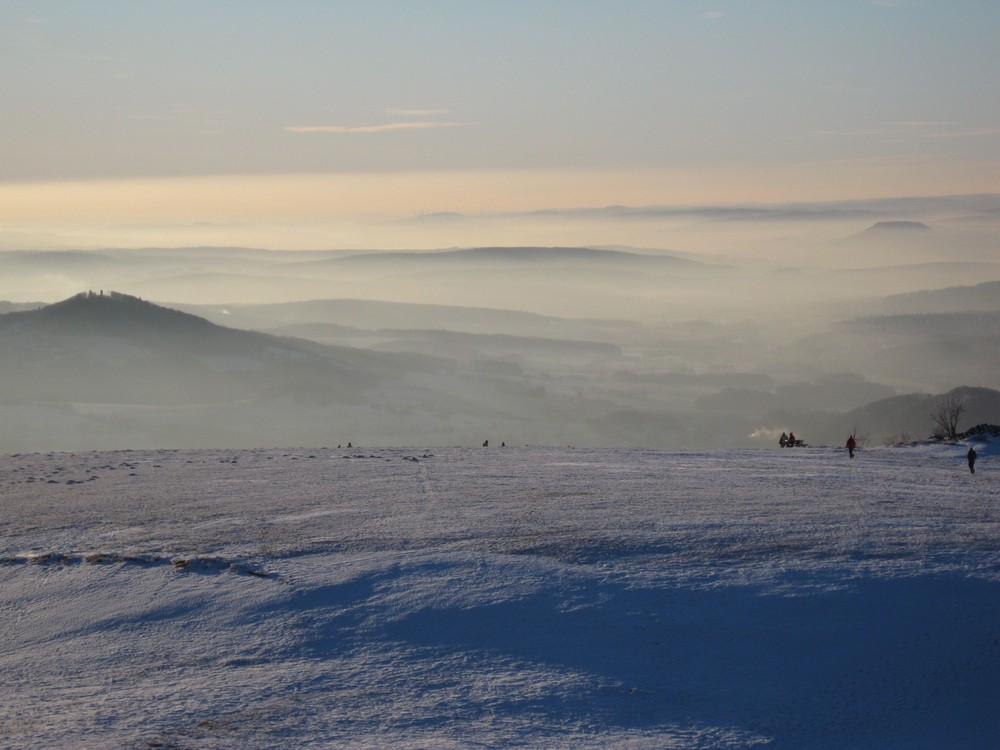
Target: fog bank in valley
{"x":758,"y":319}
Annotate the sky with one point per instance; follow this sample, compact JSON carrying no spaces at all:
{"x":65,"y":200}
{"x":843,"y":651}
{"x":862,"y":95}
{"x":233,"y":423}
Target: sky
{"x":303,"y":124}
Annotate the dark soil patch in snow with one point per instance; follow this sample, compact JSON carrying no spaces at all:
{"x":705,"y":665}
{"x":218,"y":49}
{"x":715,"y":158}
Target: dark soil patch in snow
{"x":196,"y":564}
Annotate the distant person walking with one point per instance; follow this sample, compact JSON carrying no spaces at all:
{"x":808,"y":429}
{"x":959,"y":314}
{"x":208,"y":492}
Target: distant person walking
{"x":783,"y":440}
{"x":971,"y":455}
{"x":851,"y":445}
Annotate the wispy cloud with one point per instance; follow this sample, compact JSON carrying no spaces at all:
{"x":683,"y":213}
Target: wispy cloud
{"x":379,"y":128}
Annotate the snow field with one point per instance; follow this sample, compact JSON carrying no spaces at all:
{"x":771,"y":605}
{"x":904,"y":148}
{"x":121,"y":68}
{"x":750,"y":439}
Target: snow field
{"x":530,"y":597}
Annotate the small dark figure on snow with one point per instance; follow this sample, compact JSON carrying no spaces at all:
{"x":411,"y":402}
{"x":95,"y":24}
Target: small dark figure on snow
{"x":791,"y":439}
{"x":971,"y":455}
{"x":783,"y":440}
{"x":486,"y":443}
{"x":851,"y":445}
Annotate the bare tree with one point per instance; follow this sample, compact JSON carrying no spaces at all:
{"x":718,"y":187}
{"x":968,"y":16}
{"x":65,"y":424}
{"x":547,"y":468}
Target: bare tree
{"x":946,"y":412}
{"x":860,"y":437}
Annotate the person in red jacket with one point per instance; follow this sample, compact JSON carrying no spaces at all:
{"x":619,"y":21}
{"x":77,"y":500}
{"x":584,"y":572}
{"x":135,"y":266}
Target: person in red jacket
{"x":851,"y":445}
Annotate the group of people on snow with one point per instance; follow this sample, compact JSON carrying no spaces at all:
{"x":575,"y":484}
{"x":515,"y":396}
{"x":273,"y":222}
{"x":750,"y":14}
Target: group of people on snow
{"x":789,"y":440}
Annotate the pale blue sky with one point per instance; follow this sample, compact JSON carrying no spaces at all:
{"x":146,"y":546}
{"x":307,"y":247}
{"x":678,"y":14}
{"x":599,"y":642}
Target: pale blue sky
{"x":741,"y":99}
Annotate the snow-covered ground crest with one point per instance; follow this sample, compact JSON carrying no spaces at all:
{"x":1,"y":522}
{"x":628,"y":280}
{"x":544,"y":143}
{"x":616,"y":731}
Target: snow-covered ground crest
{"x":500,"y":597}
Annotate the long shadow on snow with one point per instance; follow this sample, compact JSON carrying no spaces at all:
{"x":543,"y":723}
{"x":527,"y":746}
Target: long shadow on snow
{"x":902,"y":662}
{"x":906,"y":660}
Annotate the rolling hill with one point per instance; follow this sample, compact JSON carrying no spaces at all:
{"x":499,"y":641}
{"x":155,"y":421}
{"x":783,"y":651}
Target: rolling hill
{"x":984,"y":297}
{"x":111,"y":370}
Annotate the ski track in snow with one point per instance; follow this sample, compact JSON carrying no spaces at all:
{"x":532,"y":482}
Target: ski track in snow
{"x":528,"y":597}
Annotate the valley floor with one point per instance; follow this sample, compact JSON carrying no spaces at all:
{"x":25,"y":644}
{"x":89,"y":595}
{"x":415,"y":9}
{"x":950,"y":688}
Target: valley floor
{"x":500,"y":597}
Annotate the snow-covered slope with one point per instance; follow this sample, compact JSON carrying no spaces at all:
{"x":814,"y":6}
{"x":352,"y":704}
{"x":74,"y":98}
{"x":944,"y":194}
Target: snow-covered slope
{"x":494,"y":597}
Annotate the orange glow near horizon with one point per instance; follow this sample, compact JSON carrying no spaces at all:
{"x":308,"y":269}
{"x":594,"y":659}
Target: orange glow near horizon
{"x":285,"y":211}
{"x":408,"y":193}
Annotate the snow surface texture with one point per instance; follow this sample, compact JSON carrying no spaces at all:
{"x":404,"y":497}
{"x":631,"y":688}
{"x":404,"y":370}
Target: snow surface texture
{"x":500,"y":597}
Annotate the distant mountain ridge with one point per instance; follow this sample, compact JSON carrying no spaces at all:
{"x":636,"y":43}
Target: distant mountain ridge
{"x":103,"y":369}
{"x":522,"y":255}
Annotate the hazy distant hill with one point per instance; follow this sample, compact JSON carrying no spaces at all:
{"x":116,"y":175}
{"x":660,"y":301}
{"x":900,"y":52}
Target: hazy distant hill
{"x":799,"y":212}
{"x":103,"y":371}
{"x":561,"y":281}
{"x":115,"y":348}
{"x":983,"y":297}
{"x":111,"y":370}
{"x":132,"y":320}
{"x":529,"y":256}
{"x":894,"y":242}
{"x":898,"y":418}
{"x":375,"y":323}
{"x":887,"y":227}
{"x":7,"y":307}
{"x":915,"y":352}
{"x":590,"y":345}
{"x":374,"y":314}
{"x":59,"y":260}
